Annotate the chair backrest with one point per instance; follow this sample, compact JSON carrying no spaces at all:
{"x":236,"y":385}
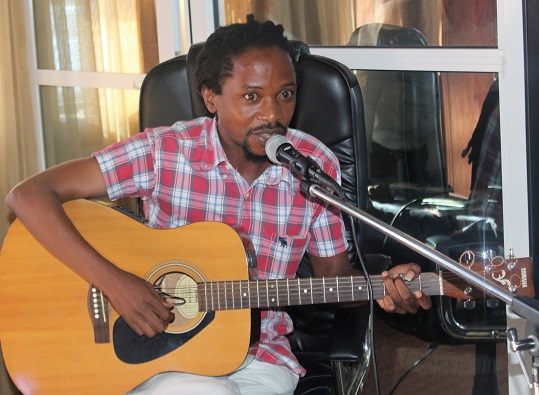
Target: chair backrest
{"x":329,"y":106}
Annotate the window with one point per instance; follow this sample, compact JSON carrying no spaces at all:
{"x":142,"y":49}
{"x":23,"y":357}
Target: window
{"x":335,"y":23}
{"x":91,"y":58}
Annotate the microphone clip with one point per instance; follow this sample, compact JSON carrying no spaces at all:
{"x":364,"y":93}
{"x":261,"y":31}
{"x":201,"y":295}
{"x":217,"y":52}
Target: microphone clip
{"x":311,"y":173}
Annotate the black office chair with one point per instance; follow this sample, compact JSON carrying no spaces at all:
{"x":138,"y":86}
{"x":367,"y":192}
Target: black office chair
{"x":402,"y":113}
{"x":328,"y":342}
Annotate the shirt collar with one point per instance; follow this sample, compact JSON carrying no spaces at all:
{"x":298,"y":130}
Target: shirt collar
{"x":214,"y":155}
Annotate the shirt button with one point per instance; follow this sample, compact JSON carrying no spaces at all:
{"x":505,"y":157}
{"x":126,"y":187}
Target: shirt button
{"x":225,"y":177}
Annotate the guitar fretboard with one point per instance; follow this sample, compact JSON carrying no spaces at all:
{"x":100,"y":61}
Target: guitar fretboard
{"x":247,"y":294}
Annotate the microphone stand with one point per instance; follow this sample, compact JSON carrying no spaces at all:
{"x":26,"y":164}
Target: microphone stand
{"x":524,"y":306}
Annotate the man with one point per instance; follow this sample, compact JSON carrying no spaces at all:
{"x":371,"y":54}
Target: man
{"x":212,"y":169}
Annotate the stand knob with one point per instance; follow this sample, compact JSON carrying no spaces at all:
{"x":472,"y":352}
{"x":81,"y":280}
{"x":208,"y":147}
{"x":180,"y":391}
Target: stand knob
{"x":517,"y":346}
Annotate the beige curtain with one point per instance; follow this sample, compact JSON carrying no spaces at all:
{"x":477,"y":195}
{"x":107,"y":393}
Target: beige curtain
{"x":316,"y":22}
{"x":18,"y":158}
{"x":112,"y":36}
{"x":95,"y":36}
{"x":327,"y":22}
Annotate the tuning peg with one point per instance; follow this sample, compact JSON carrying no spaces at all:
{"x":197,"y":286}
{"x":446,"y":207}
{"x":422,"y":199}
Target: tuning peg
{"x":469,"y":304}
{"x":493,"y":303}
{"x":511,"y":260}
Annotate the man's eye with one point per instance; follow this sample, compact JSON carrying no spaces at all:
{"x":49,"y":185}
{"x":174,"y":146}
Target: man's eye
{"x":287,"y":94}
{"x":251,"y":96}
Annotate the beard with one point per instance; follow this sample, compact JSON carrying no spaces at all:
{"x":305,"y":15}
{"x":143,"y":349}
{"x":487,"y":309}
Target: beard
{"x":250,"y":155}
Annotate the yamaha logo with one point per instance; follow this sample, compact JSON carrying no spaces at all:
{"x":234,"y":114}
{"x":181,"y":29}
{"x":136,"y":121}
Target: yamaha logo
{"x":524,"y":277}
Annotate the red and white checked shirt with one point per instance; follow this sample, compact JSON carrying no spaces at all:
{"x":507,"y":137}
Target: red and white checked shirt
{"x":183,"y":175}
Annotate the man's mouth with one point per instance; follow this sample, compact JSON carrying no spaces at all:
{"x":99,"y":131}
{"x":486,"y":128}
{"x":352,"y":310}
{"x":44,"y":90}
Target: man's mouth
{"x":263,"y":133}
{"x":263,"y":136}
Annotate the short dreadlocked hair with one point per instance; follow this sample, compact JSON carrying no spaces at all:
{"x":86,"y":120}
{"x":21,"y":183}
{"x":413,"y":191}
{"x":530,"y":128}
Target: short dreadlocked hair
{"x":215,"y":61}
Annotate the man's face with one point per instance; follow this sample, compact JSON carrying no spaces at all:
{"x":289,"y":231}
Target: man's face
{"x":257,"y":101}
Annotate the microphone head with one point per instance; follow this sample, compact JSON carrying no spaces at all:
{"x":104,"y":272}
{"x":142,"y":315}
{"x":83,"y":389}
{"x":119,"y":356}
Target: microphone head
{"x":273,"y":144}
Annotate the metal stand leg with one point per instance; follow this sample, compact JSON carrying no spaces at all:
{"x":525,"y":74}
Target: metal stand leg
{"x":485,"y":380}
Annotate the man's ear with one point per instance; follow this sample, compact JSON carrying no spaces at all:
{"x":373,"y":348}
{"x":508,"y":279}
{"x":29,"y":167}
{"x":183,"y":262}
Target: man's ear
{"x":209,"y":99}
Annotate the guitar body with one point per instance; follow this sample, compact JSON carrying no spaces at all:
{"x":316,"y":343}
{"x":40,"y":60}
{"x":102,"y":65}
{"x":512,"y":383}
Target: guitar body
{"x":59,"y":335}
{"x":46,"y":331}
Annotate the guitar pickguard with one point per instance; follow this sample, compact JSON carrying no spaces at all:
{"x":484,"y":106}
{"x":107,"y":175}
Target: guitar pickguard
{"x":133,"y":349}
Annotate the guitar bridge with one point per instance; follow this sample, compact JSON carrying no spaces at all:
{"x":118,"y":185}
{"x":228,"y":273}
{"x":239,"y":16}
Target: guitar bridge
{"x":98,"y":308}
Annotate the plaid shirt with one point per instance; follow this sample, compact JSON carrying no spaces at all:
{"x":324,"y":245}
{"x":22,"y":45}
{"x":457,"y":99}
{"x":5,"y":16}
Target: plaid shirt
{"x":183,"y":175}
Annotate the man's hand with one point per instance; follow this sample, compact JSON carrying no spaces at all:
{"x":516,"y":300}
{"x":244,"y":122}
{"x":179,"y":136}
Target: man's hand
{"x":140,"y":306}
{"x":399,"y":298}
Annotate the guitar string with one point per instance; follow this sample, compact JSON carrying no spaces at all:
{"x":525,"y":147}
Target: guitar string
{"x":378,"y":280}
{"x":317,"y":289}
{"x":320,"y":288}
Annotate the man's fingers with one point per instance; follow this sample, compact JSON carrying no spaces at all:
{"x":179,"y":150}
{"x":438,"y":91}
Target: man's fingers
{"x":424,"y":300}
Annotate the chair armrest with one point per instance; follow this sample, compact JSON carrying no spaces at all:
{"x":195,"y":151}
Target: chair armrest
{"x":348,"y":334}
{"x":350,"y":324}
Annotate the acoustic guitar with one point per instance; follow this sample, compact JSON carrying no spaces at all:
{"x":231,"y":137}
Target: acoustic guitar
{"x":60,"y":336}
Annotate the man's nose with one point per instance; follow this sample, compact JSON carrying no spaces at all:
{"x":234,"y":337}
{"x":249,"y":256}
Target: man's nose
{"x":270,"y":110}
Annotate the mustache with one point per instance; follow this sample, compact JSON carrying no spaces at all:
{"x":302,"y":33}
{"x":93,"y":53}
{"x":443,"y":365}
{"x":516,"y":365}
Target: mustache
{"x":269,"y":126}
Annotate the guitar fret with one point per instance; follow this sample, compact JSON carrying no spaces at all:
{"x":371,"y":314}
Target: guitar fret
{"x":267,"y":294}
{"x":206,"y":297}
{"x":240,"y":295}
{"x":249,"y":293}
{"x":288,"y":290}
{"x":324,"y":287}
{"x":277,"y":290}
{"x":274,"y":295}
{"x":330,"y":290}
{"x":311,"y":283}
{"x":338,"y":290}
{"x":258,"y":293}
{"x":212,"y":299}
{"x":232,"y":293}
{"x":299,"y":291}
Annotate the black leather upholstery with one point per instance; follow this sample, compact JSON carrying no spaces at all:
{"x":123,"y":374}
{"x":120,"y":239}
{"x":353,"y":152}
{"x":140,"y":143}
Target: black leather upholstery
{"x":329,"y":106}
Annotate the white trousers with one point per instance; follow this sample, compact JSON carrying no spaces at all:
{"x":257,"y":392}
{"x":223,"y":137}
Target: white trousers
{"x":256,"y":378}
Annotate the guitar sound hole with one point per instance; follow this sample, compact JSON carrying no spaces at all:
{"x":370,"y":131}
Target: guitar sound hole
{"x":177,"y":282}
{"x":182,"y":291}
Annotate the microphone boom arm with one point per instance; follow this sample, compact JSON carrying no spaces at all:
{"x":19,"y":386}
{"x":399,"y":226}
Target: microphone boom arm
{"x":524,"y":306}
{"x":410,"y":242}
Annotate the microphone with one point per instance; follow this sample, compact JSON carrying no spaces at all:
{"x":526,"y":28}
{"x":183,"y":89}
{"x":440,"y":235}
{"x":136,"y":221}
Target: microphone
{"x":280,"y":150}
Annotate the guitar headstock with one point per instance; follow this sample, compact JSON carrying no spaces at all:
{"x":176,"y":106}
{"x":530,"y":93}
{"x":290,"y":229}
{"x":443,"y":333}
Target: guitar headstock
{"x":511,"y":273}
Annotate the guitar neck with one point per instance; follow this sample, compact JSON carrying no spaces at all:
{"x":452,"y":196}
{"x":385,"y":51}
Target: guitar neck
{"x":247,"y":294}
